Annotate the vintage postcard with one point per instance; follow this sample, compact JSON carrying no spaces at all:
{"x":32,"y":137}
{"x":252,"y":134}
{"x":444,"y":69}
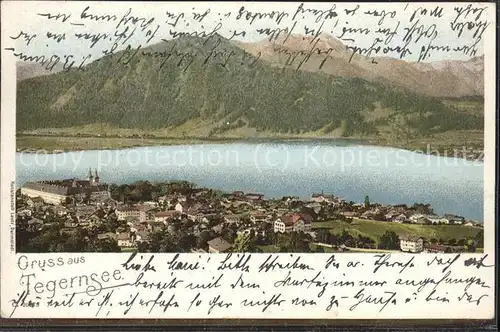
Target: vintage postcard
{"x":169,"y":160}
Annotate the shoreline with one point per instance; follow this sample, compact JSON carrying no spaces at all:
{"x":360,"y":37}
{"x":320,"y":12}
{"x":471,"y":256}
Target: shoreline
{"x":303,"y":198}
{"x":173,"y":141}
{"x":68,"y":144}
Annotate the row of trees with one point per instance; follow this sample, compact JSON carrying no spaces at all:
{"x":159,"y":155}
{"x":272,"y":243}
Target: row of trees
{"x":146,"y":191}
{"x":344,"y":238}
{"x":52,"y":238}
{"x":390,"y":240}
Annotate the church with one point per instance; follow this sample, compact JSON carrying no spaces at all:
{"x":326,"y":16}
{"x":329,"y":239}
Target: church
{"x":62,"y":191}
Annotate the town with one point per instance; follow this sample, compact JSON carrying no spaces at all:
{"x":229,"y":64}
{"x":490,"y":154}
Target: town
{"x":75,"y":215}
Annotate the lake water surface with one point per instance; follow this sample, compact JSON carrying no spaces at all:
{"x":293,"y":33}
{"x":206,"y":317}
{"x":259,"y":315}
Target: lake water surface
{"x":352,"y":171}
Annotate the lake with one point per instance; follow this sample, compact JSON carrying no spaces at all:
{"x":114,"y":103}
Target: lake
{"x":346,"y":169}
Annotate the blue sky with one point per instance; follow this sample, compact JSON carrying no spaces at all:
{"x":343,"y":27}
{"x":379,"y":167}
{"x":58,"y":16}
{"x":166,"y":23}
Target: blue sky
{"x":23,"y":16}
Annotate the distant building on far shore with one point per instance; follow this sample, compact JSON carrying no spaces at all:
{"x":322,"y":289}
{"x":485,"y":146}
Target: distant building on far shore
{"x":58,"y":191}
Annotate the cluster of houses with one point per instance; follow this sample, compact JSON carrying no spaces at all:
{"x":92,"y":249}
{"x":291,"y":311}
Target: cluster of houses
{"x":245,"y":211}
{"x":415,"y":244}
{"x":401,"y":213}
{"x":404,"y":214}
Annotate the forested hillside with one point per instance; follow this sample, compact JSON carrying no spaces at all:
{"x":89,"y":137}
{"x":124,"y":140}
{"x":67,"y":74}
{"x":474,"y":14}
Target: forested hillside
{"x":168,"y":84}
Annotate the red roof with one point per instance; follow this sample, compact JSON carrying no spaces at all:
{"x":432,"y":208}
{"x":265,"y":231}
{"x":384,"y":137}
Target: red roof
{"x":293,"y":218}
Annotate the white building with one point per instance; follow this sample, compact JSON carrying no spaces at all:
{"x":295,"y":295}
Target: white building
{"x":232,"y":219}
{"x":59,"y":191}
{"x":24,"y":213}
{"x":294,"y":222}
{"x":126,"y":212}
{"x":181,"y":207}
{"x":323,"y":198}
{"x":50,"y":195}
{"x":409,"y":243}
{"x":124,"y":240}
{"x":60,"y":211}
{"x":399,"y":219}
{"x":436,"y":220}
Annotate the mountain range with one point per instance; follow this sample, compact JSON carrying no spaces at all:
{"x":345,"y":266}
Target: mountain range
{"x":27,"y":70}
{"x":447,"y":78}
{"x":227,"y":87}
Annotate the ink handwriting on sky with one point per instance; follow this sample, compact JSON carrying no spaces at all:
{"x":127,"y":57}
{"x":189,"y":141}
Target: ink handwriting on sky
{"x":299,"y":33}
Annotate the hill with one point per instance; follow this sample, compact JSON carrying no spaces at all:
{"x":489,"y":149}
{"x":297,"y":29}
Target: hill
{"x":206,"y":88}
{"x":376,"y":229}
{"x":448,"y":78}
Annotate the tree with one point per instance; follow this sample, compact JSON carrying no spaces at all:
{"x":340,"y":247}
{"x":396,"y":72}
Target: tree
{"x":389,"y":241}
{"x":202,"y":240}
{"x":114,"y":192}
{"x":423,"y":208}
{"x":156,"y":240}
{"x":322,"y":214}
{"x":76,"y":242}
{"x":367,"y":201}
{"x":344,"y":237}
{"x":24,"y":236}
{"x":141,"y":191}
{"x":107,"y":245}
{"x":228,"y":232}
{"x":402,"y":128}
{"x":334,"y":239}
{"x":143,"y":246}
{"x":125,"y":193}
{"x":310,"y":211}
{"x":112,"y":224}
{"x":244,"y":243}
{"x":187,"y":241}
{"x":479,"y":239}
{"x":471,"y":245}
{"x":365,"y":242}
{"x":271,"y":237}
{"x":319,"y":249}
{"x":48,"y":240}
{"x":294,"y":242}
{"x":86,"y":200}
{"x":322,"y":235}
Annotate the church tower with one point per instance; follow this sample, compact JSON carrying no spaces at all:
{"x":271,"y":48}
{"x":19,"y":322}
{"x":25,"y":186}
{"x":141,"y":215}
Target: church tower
{"x":96,"y":178}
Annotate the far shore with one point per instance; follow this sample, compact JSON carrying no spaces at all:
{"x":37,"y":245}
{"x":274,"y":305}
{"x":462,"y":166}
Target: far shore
{"x":61,"y":144}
